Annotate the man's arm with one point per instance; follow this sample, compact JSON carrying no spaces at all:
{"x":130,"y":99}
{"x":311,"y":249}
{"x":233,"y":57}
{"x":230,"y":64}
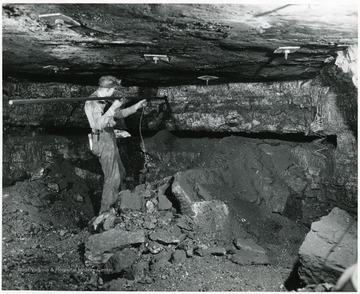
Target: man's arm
{"x":132,"y":109}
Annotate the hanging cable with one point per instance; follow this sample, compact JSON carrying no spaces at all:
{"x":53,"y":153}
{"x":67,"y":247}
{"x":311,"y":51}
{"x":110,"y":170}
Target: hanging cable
{"x":142,"y":140}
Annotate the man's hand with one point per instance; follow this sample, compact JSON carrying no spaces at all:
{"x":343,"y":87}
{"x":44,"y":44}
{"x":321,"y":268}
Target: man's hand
{"x":141,"y":104}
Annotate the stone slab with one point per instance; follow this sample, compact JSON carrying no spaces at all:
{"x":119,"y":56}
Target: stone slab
{"x":248,"y":257}
{"x":248,"y":244}
{"x":100,"y":247}
{"x":329,"y":248}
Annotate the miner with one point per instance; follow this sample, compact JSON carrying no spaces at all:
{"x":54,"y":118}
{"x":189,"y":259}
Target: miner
{"x":100,"y":114}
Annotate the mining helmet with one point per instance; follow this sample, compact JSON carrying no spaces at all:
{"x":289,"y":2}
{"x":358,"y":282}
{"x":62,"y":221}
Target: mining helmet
{"x":109,"y":82}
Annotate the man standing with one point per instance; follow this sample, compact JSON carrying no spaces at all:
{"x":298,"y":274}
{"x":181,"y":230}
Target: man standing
{"x":104,"y":146}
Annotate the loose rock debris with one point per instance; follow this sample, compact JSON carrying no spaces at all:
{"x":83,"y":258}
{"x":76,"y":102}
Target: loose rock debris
{"x":167,"y":235}
{"x":51,"y":247}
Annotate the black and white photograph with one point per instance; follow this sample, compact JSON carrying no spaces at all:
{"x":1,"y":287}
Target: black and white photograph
{"x":180,"y":146}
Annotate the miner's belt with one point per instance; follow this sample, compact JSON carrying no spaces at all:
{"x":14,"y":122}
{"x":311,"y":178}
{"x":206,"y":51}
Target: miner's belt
{"x":107,"y":129}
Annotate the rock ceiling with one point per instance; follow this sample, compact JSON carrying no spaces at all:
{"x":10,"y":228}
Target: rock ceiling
{"x":234,"y":42}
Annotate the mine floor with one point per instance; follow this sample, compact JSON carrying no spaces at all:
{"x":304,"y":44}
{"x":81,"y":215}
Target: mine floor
{"x":43,"y":249}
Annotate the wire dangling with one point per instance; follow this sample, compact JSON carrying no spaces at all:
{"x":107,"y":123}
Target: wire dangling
{"x":143,"y":142}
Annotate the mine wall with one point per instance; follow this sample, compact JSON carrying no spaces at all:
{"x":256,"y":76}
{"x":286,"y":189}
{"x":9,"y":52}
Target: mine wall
{"x":267,"y":125}
{"x":287,"y":149}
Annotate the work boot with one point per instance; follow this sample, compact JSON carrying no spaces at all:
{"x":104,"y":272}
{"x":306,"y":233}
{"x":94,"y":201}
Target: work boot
{"x":94,"y":229}
{"x":96,"y":224}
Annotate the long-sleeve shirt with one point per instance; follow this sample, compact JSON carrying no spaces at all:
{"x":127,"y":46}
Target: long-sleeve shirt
{"x":98,"y":120}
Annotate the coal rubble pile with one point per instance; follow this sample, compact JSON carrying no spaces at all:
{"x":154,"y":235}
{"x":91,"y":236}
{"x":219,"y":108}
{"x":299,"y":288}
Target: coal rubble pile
{"x":146,"y":235}
{"x":153,"y":231}
{"x":186,"y":232}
